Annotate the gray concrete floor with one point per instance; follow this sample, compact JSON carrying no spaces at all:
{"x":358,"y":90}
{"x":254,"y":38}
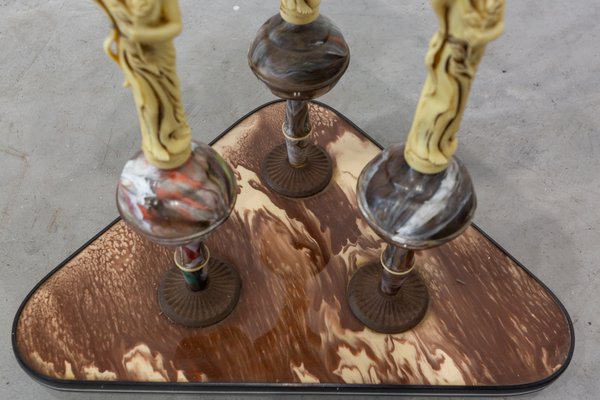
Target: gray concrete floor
{"x":529,"y":136}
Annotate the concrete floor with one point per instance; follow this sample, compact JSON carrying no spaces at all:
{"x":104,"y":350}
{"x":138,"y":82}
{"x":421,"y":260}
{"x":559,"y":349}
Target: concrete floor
{"x":529,"y":136}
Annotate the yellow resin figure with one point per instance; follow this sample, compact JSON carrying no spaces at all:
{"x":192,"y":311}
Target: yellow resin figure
{"x":299,"y":12}
{"x":141,"y":43}
{"x":466,"y":26}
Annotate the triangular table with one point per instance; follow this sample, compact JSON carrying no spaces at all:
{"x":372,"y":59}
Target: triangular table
{"x":94,"y":322}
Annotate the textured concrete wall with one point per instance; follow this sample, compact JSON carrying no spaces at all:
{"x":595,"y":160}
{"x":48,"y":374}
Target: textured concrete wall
{"x":529,"y":136}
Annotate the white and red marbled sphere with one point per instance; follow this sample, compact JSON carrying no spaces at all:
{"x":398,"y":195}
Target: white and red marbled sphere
{"x":176,"y":206}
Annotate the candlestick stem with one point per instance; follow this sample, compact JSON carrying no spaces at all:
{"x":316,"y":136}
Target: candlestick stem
{"x":397,"y":264}
{"x":296,"y":129}
{"x":192,"y":260}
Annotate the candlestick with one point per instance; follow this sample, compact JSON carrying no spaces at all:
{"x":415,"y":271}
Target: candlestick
{"x":419,"y":196}
{"x":175,"y":191}
{"x":299,"y":54}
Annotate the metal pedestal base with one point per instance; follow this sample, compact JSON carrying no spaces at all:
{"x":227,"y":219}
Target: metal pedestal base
{"x":383,"y":312}
{"x":303,"y":181}
{"x":203,"y":307}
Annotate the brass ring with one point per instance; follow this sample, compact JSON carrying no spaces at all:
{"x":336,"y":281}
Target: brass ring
{"x":396,"y":273}
{"x":295,"y":139}
{"x":196,"y":268}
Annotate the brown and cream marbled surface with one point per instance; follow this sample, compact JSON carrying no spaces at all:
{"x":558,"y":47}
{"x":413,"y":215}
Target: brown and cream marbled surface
{"x":97,"y":318}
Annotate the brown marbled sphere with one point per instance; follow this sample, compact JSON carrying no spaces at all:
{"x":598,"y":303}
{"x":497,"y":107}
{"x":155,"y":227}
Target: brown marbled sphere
{"x":299,"y":62}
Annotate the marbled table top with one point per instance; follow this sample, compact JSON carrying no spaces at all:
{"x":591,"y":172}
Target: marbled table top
{"x":95,"y":322}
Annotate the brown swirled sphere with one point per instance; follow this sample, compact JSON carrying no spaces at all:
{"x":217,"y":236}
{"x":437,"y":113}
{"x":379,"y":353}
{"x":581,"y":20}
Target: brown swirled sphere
{"x":299,"y":62}
{"x":176,"y":206}
{"x":414,"y":210}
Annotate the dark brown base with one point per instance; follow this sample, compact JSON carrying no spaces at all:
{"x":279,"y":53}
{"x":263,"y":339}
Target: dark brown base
{"x":203,"y":307}
{"x":303,"y":181}
{"x":382,"y":312}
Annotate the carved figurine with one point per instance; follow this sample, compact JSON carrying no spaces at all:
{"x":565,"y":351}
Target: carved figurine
{"x":299,"y":12}
{"x":141,"y":43}
{"x":466,"y":26}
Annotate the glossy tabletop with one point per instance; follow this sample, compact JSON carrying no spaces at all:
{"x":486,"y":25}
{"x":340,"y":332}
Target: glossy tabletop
{"x":94,"y":323}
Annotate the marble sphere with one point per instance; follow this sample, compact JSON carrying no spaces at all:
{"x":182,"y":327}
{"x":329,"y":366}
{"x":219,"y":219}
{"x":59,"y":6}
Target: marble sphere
{"x":299,"y":62}
{"x":180,"y":205}
{"x":414,"y":210}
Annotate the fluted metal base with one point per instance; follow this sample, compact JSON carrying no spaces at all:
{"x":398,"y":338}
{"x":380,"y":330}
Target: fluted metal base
{"x":382,"y":312}
{"x":303,"y":181}
{"x":203,"y":307}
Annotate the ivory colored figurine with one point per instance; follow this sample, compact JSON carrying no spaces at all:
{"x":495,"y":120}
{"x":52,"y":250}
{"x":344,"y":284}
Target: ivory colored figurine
{"x":299,"y":12}
{"x":419,"y":196}
{"x":141,"y":43}
{"x":466,"y":26}
{"x":175,"y":191}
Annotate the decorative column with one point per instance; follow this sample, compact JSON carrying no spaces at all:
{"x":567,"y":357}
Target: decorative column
{"x":300,"y":55}
{"x":175,"y":191}
{"x":419,"y":196}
